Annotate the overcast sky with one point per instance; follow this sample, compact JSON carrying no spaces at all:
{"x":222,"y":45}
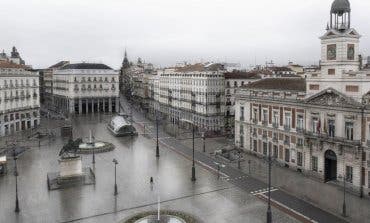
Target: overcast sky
{"x":168,"y":31}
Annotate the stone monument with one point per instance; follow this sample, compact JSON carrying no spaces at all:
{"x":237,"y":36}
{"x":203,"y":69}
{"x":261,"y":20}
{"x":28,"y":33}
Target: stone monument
{"x":71,"y":171}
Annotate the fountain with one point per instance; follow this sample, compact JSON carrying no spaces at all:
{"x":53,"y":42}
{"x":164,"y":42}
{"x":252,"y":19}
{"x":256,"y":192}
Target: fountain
{"x":93,"y":146}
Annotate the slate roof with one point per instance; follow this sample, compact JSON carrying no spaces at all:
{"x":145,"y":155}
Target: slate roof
{"x":95,"y":66}
{"x":280,"y":84}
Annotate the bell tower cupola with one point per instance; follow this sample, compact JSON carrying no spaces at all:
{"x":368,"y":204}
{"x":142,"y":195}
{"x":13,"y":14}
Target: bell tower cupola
{"x":340,"y":15}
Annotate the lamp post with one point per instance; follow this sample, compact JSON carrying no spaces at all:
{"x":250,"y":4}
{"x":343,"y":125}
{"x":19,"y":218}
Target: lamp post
{"x":17,"y":210}
{"x":344,"y":207}
{"x":193,"y":166}
{"x":157,"y":146}
{"x":115,"y":177}
{"x":204,"y":141}
{"x":268,"y":213}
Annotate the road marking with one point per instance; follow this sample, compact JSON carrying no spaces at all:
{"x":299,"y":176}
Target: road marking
{"x":263,"y":191}
{"x":289,"y":209}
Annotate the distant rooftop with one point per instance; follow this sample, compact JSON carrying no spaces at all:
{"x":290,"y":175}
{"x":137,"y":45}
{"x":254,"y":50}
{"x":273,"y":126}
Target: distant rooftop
{"x":95,"y":66}
{"x":60,"y":64}
{"x":200,"y":67}
{"x":8,"y":64}
{"x":281,"y":84}
{"x":243,"y":75}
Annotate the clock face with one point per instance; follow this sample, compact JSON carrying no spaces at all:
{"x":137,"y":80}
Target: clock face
{"x":332,"y":52}
{"x":351,"y":52}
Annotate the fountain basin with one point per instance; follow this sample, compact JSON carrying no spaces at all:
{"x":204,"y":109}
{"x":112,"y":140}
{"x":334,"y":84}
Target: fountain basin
{"x":96,"y":147}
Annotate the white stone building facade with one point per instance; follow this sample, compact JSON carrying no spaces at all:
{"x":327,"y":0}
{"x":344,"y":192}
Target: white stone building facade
{"x":193,"y":92}
{"x":86,"y":88}
{"x":19,"y":98}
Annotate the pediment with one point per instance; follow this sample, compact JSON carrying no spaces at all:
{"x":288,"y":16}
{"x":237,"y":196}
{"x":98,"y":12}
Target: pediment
{"x":331,"y":97}
{"x":333,"y":33}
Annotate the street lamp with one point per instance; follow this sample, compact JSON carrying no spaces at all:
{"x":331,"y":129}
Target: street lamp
{"x":17,"y":210}
{"x":268,"y":214}
{"x":115,"y":177}
{"x":344,"y":208}
{"x":193,"y":166}
{"x":157,"y":146}
{"x":204,"y":141}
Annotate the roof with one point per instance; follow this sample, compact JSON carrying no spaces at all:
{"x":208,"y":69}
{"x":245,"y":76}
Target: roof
{"x":59,"y":64}
{"x":118,"y":121}
{"x":200,"y":67}
{"x":95,"y":66}
{"x":8,"y":64}
{"x":243,"y":75}
{"x":283,"y":84}
{"x":280,"y":69}
{"x":340,"y":6}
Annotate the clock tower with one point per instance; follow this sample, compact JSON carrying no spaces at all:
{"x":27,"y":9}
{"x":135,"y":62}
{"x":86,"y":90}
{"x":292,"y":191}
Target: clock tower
{"x":340,"y":43}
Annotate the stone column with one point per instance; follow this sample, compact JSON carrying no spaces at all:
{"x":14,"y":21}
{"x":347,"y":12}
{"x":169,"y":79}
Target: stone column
{"x":104,"y":105}
{"x":72,"y":106}
{"x":87,"y":105}
{"x":110,"y":105}
{"x":92,"y":105}
{"x":79,"y":106}
{"x":117,"y":105}
{"x":98,"y":105}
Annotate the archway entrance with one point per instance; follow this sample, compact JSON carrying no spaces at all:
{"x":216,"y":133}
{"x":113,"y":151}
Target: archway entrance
{"x":330,"y":166}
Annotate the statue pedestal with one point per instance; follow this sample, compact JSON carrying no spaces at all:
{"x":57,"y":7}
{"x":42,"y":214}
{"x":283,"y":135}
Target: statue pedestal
{"x":70,"y":167}
{"x":71,"y":174}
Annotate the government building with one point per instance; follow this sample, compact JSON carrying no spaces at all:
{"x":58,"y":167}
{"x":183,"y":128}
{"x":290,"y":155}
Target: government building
{"x":318,"y":125}
{"x":83,"y":88}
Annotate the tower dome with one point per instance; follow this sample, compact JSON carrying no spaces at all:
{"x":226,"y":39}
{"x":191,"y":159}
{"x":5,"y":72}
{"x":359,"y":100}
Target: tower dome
{"x":340,"y":15}
{"x":340,"y":7}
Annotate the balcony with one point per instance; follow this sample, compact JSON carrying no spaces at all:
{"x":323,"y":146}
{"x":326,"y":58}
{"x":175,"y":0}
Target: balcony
{"x":275,"y":125}
{"x":299,"y":130}
{"x":299,"y":146}
{"x":336,"y":139}
{"x":287,"y":128}
{"x":275,"y":139}
{"x":264,"y":123}
{"x":286,"y":142}
{"x":241,"y":118}
{"x":264,"y":136}
{"x":254,"y":121}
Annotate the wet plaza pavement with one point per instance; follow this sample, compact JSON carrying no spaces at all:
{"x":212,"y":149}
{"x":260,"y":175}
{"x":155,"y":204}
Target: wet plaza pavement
{"x":209,"y":199}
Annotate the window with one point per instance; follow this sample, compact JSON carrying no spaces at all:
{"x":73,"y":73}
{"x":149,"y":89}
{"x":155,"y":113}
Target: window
{"x":241,"y":129}
{"x":255,"y":145}
{"x":235,"y":84}
{"x":314,"y":161}
{"x":264,"y":148}
{"x":287,"y":120}
{"x":300,"y":142}
{"x":241,"y":113}
{"x":331,"y":124}
{"x":299,"y":158}
{"x":351,"y":88}
{"x":276,"y":119}
{"x":287,"y":155}
{"x":300,"y":122}
{"x":242,"y":83}
{"x":228,"y":83}
{"x":241,"y":141}
{"x":314,"y":87}
{"x":349,"y":130}
{"x":315,"y":125}
{"x":331,"y":71}
{"x":275,"y":151}
{"x":265,"y":117}
{"x":255,"y":114}
{"x":349,"y":174}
